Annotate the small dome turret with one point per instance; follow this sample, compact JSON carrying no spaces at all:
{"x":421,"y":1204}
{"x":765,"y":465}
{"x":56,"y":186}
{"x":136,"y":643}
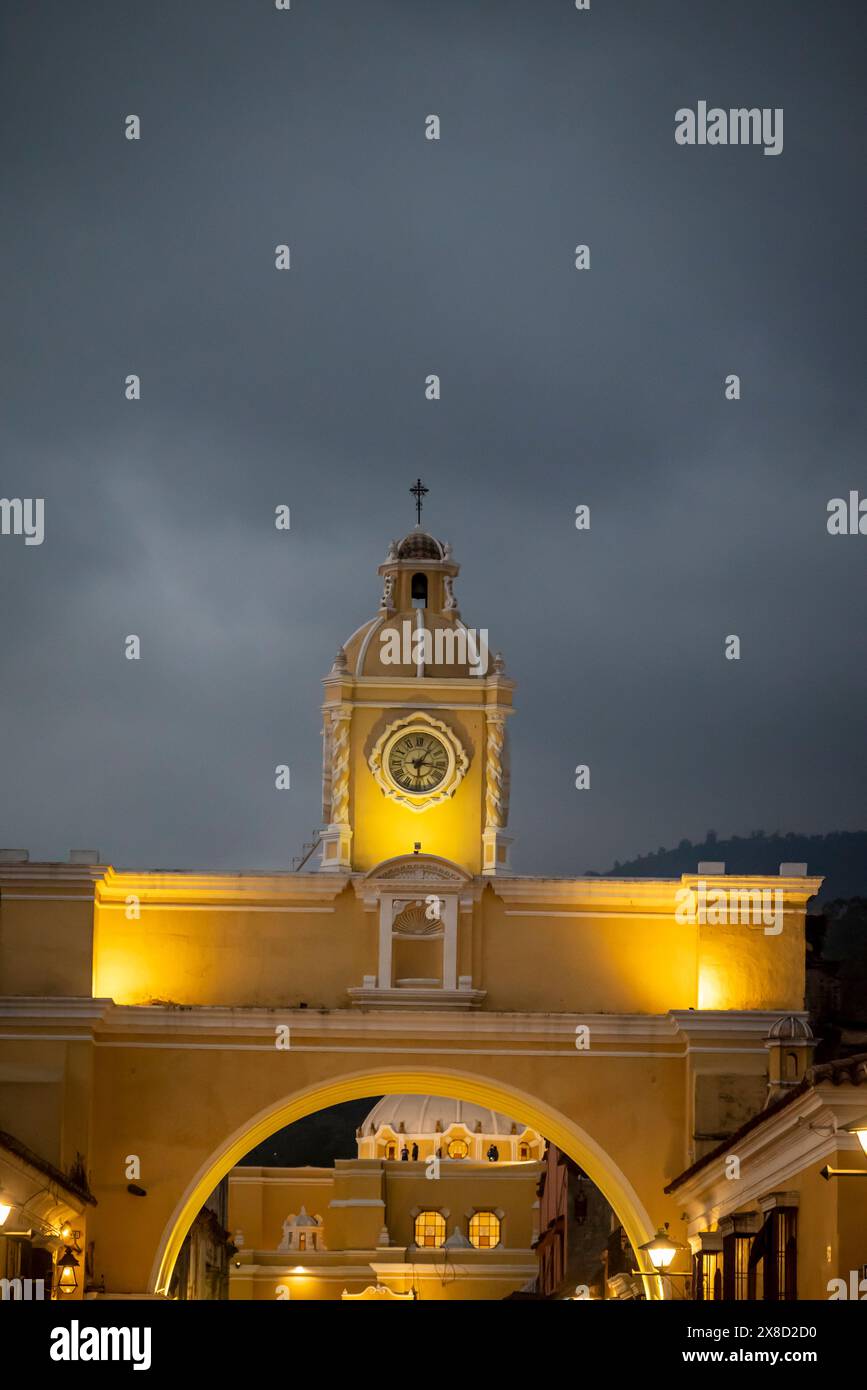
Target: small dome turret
{"x":419,"y":545}
{"x":790,"y":1029}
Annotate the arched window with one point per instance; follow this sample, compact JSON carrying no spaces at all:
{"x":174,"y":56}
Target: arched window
{"x":302,"y":1240}
{"x":523,"y":1152}
{"x":430,"y":1228}
{"x":419,"y":591}
{"x":458,"y":1148}
{"x":391,"y":1151}
{"x":485,"y":1230}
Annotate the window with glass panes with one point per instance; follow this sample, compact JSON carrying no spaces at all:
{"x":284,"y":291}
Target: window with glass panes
{"x":430,"y":1228}
{"x":484,"y":1230}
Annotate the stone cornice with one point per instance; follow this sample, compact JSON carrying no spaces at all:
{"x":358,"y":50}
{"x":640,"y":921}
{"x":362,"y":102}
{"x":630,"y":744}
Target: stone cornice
{"x":57,"y":875}
{"x":418,"y":1025}
{"x":106,"y":1021}
{"x":639,"y":896}
{"x":701,"y":1025}
{"x":796,"y":891}
{"x":208,"y":890}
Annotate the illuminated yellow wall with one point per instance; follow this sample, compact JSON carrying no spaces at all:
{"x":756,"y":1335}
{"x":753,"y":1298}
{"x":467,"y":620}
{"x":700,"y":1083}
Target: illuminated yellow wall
{"x":510,"y":1187}
{"x":832,"y":1216}
{"x":610,"y":954}
{"x":245,"y":941}
{"x":602,"y":945}
{"x":759,"y":968}
{"x":261,"y":1198}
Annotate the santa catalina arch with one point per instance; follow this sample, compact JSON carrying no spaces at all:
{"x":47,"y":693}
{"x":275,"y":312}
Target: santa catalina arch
{"x":161,"y":1024}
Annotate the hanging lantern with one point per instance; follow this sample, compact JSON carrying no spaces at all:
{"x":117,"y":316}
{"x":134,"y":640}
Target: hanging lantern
{"x":67,"y":1280}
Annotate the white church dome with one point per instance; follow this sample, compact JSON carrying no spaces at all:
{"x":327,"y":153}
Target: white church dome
{"x":421,"y":1115}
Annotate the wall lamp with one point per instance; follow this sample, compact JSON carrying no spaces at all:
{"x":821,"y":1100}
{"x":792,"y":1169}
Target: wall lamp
{"x":860,"y":1132}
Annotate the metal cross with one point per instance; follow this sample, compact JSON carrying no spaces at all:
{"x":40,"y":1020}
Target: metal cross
{"x":418,"y":492}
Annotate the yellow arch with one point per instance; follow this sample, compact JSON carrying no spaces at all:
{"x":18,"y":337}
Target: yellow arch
{"x":568,"y":1136}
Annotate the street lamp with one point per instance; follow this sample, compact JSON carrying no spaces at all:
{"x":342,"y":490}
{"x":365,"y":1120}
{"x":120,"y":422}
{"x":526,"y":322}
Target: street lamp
{"x":5,"y":1208}
{"x":661,"y":1250}
{"x":860,"y":1132}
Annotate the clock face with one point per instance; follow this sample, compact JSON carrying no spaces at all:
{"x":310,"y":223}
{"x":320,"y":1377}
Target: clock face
{"x":417,"y":761}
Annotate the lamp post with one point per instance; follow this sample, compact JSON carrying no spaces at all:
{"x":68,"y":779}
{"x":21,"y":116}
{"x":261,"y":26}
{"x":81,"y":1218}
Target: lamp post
{"x":661,"y":1252}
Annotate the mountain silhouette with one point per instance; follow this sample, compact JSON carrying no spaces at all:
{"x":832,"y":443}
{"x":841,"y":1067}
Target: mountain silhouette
{"x":841,"y":856}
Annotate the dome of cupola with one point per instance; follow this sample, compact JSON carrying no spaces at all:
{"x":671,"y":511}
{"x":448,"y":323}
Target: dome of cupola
{"x":419,"y":545}
{"x":451,"y":1129}
{"x":428,"y":1116}
{"x":791,"y":1029}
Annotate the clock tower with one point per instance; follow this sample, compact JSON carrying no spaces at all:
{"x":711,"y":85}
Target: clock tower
{"x":415,"y":753}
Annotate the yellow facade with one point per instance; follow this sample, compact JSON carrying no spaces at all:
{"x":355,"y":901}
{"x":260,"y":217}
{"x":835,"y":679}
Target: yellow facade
{"x":799,"y":1157}
{"x":182,"y":1018}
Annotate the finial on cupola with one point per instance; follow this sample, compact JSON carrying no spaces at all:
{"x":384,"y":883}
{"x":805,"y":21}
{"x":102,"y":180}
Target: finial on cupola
{"x":419,"y":491}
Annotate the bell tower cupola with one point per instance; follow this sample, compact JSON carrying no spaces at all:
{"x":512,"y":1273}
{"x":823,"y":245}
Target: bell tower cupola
{"x":415,"y":754}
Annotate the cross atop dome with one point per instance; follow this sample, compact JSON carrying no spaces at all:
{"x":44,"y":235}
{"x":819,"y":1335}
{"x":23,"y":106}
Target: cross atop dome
{"x":419,"y":491}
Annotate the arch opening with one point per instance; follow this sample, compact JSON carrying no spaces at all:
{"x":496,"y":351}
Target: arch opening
{"x":557,"y":1127}
{"x":418,"y":590}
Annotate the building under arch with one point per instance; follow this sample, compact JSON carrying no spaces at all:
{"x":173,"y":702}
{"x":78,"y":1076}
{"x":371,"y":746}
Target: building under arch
{"x":422,"y":1208}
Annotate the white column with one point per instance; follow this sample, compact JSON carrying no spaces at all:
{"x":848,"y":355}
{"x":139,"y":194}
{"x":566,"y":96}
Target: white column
{"x":449,"y":920}
{"x":385,"y":915}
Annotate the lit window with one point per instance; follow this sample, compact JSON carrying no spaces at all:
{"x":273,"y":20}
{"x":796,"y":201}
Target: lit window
{"x":302,"y":1240}
{"x":484,"y":1230}
{"x":430,"y":1228}
{"x":458,"y":1148}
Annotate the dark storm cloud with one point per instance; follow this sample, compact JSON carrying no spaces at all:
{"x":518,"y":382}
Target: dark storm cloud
{"x":410,"y":257}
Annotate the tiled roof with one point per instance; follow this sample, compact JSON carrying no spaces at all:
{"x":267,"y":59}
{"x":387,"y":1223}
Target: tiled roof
{"x":850,"y":1071}
{"x":15,"y":1146}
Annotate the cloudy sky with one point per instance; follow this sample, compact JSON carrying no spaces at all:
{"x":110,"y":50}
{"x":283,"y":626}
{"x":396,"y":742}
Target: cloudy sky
{"x":559,"y":387}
